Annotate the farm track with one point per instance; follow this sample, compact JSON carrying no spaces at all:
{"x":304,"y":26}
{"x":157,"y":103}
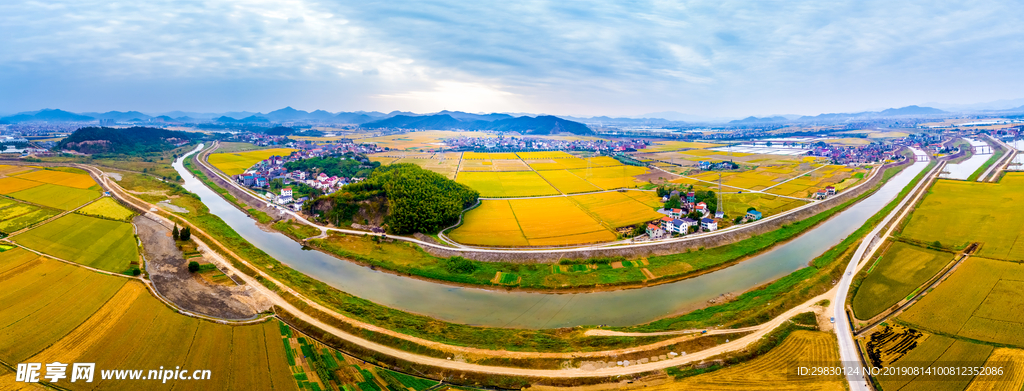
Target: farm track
{"x":738,"y":344}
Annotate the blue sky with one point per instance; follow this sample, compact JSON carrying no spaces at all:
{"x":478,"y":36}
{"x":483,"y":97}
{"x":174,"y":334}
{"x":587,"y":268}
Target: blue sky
{"x":716,"y":58}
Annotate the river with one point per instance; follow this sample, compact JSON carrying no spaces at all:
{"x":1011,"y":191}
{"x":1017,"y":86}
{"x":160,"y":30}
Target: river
{"x":542,"y":310}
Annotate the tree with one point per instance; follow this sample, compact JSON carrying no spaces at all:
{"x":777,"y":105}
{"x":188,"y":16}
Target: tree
{"x":276,"y":184}
{"x":751,"y":209}
{"x":186,"y":234}
{"x":673,"y":202}
{"x":695,"y":215}
{"x":193,"y":266}
{"x":136,"y":272}
{"x":175,"y":233}
{"x":739,"y":219}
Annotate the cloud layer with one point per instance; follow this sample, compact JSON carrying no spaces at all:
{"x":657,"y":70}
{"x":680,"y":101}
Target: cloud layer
{"x":624,"y":58}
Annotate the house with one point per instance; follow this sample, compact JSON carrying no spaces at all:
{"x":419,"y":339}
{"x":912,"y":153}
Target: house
{"x":654,"y":232}
{"x":286,"y":192}
{"x":831,"y":190}
{"x":688,"y":222}
{"x":284,"y":200}
{"x":248,"y":180}
{"x":261,"y":181}
{"x":753,"y":215}
{"x":708,"y":224}
{"x":719,"y":214}
{"x":675,"y":213}
{"x":691,"y":197}
{"x":821,"y":194}
{"x":702,"y":207}
{"x":704,"y":164}
{"x":666,"y":223}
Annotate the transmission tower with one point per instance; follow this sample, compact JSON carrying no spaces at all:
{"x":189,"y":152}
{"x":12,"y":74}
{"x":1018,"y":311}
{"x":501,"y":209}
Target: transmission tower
{"x":720,"y":211}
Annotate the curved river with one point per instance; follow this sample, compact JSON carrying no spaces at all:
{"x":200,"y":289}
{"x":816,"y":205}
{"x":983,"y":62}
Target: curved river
{"x":542,"y":310}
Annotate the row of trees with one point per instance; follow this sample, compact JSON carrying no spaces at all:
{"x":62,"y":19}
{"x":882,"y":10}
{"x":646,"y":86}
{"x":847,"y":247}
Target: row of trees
{"x":183,"y":235}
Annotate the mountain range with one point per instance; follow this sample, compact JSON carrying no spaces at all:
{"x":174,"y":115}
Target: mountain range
{"x":542,"y":124}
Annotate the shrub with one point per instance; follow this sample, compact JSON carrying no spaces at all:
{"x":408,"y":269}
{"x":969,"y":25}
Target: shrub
{"x":459,"y":265}
{"x":193,"y":266}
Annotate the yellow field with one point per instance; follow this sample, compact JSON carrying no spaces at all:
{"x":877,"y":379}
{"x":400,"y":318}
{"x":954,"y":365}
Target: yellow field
{"x":507,"y":184}
{"x":849,"y":141}
{"x":13,"y":170}
{"x":80,"y":181}
{"x":567,"y":182}
{"x":10,"y":185}
{"x":425,"y":140}
{"x":544,"y":155}
{"x":662,"y":146}
{"x":612,"y":177}
{"x":489,"y":156}
{"x":773,"y":371}
{"x":108,"y":208}
{"x":493,"y":165}
{"x":491,"y":224}
{"x":557,"y":222}
{"x":571,"y":162}
{"x":619,"y":209}
{"x":237,"y":162}
{"x":1013,"y":380}
{"x":446,"y":166}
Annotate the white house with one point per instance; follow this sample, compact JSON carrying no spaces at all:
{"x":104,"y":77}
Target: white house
{"x":655,"y":232}
{"x":286,"y":192}
{"x":708,"y":224}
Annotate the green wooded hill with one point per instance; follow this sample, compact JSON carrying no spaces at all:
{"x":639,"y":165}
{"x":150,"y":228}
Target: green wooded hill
{"x":129,"y":141}
{"x":417,"y":200}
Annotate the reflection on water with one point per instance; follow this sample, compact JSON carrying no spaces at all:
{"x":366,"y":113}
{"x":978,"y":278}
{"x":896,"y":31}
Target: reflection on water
{"x":540,"y":310}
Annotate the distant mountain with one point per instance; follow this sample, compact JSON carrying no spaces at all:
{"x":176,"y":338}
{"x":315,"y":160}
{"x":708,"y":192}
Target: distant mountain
{"x":903,"y":111}
{"x":48,"y":115}
{"x":118,"y":115}
{"x":911,"y":110}
{"x":752,"y":120}
{"x":225,"y":119}
{"x":544,"y":124}
{"x":474,"y":117}
{"x":286,"y":114}
{"x":354,"y":118}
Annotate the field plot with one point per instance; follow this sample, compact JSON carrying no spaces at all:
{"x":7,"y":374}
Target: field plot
{"x":446,"y":165}
{"x":79,"y":181}
{"x":13,"y":170}
{"x":982,"y":212}
{"x":10,"y":185}
{"x":46,"y":300}
{"x":928,"y":349}
{"x":902,"y":269}
{"x":960,"y":353}
{"x":489,"y":156}
{"x":774,"y":370}
{"x":491,"y":224}
{"x":567,"y":182}
{"x":619,"y":209}
{"x":104,"y":244}
{"x":106,"y":207}
{"x":662,"y":146}
{"x":16,"y":215}
{"x":56,"y":196}
{"x":737,"y":204}
{"x":982,"y":300}
{"x":609,"y":178}
{"x":493,"y":165}
{"x":1014,"y":378}
{"x":544,"y":155}
{"x":418,"y":141}
{"x":557,"y":222}
{"x":507,"y":184}
{"x":234,"y":163}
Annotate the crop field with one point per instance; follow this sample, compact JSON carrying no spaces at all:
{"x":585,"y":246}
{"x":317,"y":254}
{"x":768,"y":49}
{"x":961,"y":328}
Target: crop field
{"x":619,"y":209}
{"x":491,"y":224}
{"x":982,"y":300}
{"x":662,"y":146}
{"x":234,"y":163}
{"x":567,"y":182}
{"x":609,"y":178}
{"x":956,"y":213}
{"x":557,"y":222}
{"x":418,"y":141}
{"x":959,"y":353}
{"x":78,"y":181}
{"x":56,"y":196}
{"x":544,"y":155}
{"x":489,"y":156}
{"x":10,"y":185}
{"x":507,"y":184}
{"x":572,"y":162}
{"x":494,"y":165}
{"x":15,"y":215}
{"x":45,"y":301}
{"x":104,"y":244}
{"x":6,"y":169}
{"x":445,"y":166}
{"x":737,"y":204}
{"x":106,"y":207}
{"x":902,"y":269}
{"x":1012,"y":381}
{"x":774,"y":370}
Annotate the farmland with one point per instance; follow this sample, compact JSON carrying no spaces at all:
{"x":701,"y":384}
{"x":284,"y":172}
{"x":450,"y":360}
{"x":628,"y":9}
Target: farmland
{"x":933,"y":351}
{"x":982,"y":300}
{"x":1013,"y":381}
{"x":662,"y":146}
{"x":78,"y":181}
{"x":56,"y":196}
{"x":555,"y":221}
{"x":507,"y":184}
{"x":774,"y":370}
{"x":902,"y":269}
{"x":106,"y":207}
{"x":10,"y":185}
{"x":16,"y":215}
{"x":417,"y":141}
{"x":983,"y":212}
{"x":567,"y":182}
{"x":234,"y":163}
{"x":609,"y":178}
{"x":104,"y":244}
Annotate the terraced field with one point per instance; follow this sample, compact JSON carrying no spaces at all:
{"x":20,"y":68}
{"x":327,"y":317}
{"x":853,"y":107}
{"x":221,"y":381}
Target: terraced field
{"x":902,"y":269}
{"x":104,"y":244}
{"x":234,"y":163}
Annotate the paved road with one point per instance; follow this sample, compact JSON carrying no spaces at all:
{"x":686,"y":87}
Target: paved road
{"x":848,"y":351}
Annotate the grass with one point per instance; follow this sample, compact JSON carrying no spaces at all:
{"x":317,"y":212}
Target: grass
{"x":982,"y":300}
{"x":900,"y":271}
{"x":107,"y":208}
{"x":234,"y":163}
{"x":55,"y":196}
{"x":296,"y":230}
{"x":507,"y":184}
{"x":103,"y":244}
{"x":955,"y":213}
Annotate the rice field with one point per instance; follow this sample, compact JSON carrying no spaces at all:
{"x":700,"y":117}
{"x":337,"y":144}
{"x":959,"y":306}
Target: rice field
{"x":10,"y":185}
{"x":507,"y":184}
{"x":56,"y":196}
{"x":15,"y":215}
{"x":107,"y":208}
{"x":493,"y":165}
{"x":958,"y":212}
{"x":609,"y":178}
{"x":103,"y":244}
{"x":1013,"y":380}
{"x":78,"y":181}
{"x":489,"y":156}
{"x":619,"y":209}
{"x":774,"y":370}
{"x":493,"y":223}
{"x":234,"y":163}
{"x":567,"y":182}
{"x":662,"y":146}
{"x":982,"y":300}
{"x":902,"y":269}
{"x":418,"y":141}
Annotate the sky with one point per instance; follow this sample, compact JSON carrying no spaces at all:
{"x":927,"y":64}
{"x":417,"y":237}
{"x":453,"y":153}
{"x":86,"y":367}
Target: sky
{"x":716,"y":58}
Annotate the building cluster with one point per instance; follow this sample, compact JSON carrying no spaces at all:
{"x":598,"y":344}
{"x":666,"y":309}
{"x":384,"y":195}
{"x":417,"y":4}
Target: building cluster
{"x":676,"y":222}
{"x":870,"y":153}
{"x":824,"y":193}
{"x":503,"y":143}
{"x":261,"y":139}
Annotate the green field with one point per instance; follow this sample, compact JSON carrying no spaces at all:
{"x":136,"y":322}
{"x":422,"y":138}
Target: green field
{"x":104,"y":244}
{"x":106,"y":207}
{"x":56,"y":196}
{"x":956,"y":213}
{"x":982,"y":300}
{"x":507,"y":184}
{"x":16,"y":215}
{"x":902,"y":269}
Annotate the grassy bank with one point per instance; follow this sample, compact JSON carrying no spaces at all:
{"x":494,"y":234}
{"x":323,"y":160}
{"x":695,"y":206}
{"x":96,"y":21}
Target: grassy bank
{"x":998,"y":153}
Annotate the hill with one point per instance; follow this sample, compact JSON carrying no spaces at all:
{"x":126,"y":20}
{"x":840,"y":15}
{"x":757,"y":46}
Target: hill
{"x":544,"y":124}
{"x":405,"y":197}
{"x":130,"y":141}
{"x":48,"y":115}
{"x":911,"y":110}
